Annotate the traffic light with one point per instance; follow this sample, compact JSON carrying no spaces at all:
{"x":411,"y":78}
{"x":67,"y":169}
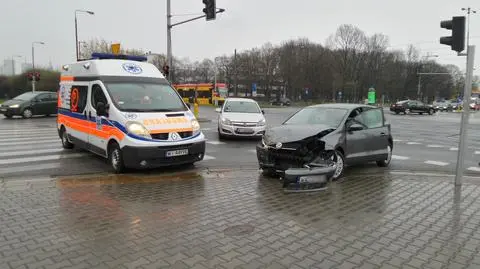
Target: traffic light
{"x":210,"y":9}
{"x":457,"y":39}
{"x":166,"y":70}
{"x":33,"y":75}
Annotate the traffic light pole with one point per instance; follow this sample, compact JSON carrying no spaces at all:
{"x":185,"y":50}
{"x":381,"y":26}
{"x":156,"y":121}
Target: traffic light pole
{"x":465,"y":115}
{"x":169,"y":33}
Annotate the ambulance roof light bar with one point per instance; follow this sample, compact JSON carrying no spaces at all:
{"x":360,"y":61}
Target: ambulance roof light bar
{"x":103,"y":56}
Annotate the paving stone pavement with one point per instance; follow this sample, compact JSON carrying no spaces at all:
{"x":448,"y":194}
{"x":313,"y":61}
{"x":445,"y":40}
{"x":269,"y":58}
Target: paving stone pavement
{"x":181,"y":221}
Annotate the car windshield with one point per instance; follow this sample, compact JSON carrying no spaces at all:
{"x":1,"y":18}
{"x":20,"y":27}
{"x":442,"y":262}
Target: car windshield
{"x":145,"y":97}
{"x":241,"y":107}
{"x":26,"y":96}
{"x":318,"y":115}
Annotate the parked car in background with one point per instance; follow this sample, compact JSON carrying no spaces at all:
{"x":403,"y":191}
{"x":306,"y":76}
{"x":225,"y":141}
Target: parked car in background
{"x":412,"y":106}
{"x":241,"y":117}
{"x":280,"y":102}
{"x":443,"y":106}
{"x":30,"y":104}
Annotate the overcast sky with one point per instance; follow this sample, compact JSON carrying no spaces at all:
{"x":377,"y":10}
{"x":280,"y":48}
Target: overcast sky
{"x":245,"y":24}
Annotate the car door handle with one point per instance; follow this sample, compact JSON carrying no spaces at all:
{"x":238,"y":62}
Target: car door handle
{"x":383,"y":134}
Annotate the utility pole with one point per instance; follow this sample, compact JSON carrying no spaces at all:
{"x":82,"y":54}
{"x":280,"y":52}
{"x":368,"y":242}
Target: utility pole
{"x":235,"y":72}
{"x":169,"y":39}
{"x":209,"y":12}
{"x":469,"y":10}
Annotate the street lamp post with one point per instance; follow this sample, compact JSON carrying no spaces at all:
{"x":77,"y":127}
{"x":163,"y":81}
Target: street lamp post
{"x":76,"y":28}
{"x":33,"y":62}
{"x":419,"y":75}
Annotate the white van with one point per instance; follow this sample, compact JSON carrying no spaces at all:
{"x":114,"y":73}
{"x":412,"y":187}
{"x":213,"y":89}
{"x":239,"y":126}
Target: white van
{"x":122,"y":108}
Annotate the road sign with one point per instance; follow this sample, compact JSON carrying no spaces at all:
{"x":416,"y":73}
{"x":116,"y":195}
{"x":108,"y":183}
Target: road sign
{"x":115,"y":48}
{"x":254,"y":89}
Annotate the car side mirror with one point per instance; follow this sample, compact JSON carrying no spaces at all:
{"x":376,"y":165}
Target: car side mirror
{"x":355,"y":127}
{"x":263,"y":111}
{"x":188,"y":105}
{"x":101,"y":109}
{"x":218,"y":110}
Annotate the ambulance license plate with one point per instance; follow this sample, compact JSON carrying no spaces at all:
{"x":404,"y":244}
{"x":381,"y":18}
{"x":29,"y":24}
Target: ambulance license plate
{"x":179,"y":152}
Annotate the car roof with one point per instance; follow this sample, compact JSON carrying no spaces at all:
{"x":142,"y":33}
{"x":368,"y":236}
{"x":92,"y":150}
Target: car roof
{"x":241,"y":99}
{"x":343,"y":106}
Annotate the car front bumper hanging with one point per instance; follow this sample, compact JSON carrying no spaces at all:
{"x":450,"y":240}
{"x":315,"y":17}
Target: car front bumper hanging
{"x":307,"y":179}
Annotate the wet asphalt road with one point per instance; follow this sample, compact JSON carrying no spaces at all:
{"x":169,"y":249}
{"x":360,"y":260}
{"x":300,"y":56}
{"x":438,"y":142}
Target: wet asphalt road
{"x":31,"y":148}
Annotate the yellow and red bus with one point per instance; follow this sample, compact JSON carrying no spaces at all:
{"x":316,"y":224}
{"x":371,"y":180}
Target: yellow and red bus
{"x":206,"y":93}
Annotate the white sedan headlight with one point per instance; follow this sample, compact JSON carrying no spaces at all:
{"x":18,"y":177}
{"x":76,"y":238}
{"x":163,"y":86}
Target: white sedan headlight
{"x":195,"y":126}
{"x":137,"y":128}
{"x":226,"y":121}
{"x":14,"y":106}
{"x":261,"y":122}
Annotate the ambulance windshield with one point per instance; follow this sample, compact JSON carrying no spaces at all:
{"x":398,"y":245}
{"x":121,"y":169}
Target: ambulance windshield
{"x":144,"y":97}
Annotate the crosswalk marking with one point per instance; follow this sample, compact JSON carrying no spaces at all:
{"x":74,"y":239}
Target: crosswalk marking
{"x":30,"y":152}
{"x":41,"y":158}
{"x":208,"y":157}
{"x":31,"y":141}
{"x":397,"y":140}
{"x":453,"y":149}
{"x":477,"y":152}
{"x":402,"y":158}
{"x":413,"y":143}
{"x":436,"y":163}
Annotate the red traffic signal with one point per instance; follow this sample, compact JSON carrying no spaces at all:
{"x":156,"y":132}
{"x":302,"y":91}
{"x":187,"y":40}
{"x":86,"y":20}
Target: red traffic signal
{"x":33,"y":75}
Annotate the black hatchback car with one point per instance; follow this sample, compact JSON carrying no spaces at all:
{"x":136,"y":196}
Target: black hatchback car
{"x":30,"y":104}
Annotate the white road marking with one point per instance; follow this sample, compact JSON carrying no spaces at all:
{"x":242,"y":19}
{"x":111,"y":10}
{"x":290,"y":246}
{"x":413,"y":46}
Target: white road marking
{"x":397,"y":140}
{"x":477,"y":152}
{"x":30,"y":152}
{"x":41,"y":158}
{"x":473,"y":168}
{"x":31,"y":142}
{"x":206,"y":129}
{"x":253,"y":151}
{"x":215,"y":142}
{"x":208,"y":157}
{"x":436,"y":163}
{"x":398,"y":172}
{"x":413,"y":143}
{"x":434,"y":146}
{"x":453,"y":149}
{"x":402,"y":158}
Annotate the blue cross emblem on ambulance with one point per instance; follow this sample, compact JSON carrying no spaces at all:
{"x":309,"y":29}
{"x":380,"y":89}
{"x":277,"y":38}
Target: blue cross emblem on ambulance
{"x":132,"y":68}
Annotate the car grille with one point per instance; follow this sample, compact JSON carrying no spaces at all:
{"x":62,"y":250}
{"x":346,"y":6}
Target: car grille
{"x":244,"y":124}
{"x":164,"y":136}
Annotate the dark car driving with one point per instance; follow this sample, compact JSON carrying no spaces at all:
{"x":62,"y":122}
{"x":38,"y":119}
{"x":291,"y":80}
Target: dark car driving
{"x":327,"y":134}
{"x":412,"y":106}
{"x":30,"y":104}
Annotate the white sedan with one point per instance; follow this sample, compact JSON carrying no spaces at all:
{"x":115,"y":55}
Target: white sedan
{"x":241,"y":117}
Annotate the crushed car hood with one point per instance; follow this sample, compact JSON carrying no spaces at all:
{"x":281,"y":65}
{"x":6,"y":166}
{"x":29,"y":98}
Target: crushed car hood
{"x":291,"y":133}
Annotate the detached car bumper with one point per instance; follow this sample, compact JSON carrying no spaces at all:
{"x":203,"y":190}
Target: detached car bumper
{"x":152,"y":157}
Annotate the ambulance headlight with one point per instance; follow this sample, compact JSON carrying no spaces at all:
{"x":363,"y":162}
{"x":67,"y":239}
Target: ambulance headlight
{"x":137,"y":128}
{"x":195,"y":126}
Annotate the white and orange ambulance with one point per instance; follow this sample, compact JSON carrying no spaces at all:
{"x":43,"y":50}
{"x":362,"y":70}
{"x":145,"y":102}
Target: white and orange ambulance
{"x":122,"y":108}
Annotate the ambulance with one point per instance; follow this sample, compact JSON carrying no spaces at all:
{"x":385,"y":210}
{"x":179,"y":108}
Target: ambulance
{"x":122,"y":108}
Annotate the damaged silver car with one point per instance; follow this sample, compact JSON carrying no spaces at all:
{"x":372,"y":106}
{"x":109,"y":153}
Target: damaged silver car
{"x":317,"y":142}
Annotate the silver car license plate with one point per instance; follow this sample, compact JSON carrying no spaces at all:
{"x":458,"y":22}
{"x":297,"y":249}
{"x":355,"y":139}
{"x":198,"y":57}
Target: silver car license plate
{"x":244,"y":130}
{"x":179,"y":152}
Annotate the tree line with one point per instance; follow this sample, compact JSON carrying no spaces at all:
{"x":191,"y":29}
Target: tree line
{"x":343,"y":69}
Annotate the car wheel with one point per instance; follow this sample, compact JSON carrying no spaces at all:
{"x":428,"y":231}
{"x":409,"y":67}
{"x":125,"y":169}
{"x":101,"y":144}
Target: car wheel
{"x":420,"y":113}
{"x":66,"y":144}
{"x":220,"y":135}
{"x":339,"y":161}
{"x":386,"y":162}
{"x":27,"y":113}
{"x":115,"y":158}
{"x":8,"y":116}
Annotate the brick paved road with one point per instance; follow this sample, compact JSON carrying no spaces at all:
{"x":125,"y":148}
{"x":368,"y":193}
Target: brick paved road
{"x":190,"y":221}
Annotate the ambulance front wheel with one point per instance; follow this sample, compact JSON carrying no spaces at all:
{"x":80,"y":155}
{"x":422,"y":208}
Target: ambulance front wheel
{"x":66,"y":144}
{"x":115,"y":158}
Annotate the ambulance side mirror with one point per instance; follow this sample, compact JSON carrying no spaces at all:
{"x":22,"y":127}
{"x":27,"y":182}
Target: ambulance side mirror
{"x":188,"y":105}
{"x":102,"y":109}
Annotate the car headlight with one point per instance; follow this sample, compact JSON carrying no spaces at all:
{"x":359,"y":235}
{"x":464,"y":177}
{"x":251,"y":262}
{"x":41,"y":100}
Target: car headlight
{"x":14,"y":106}
{"x":195,"y":126}
{"x":226,"y":121}
{"x":261,"y":123}
{"x":137,"y":128}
